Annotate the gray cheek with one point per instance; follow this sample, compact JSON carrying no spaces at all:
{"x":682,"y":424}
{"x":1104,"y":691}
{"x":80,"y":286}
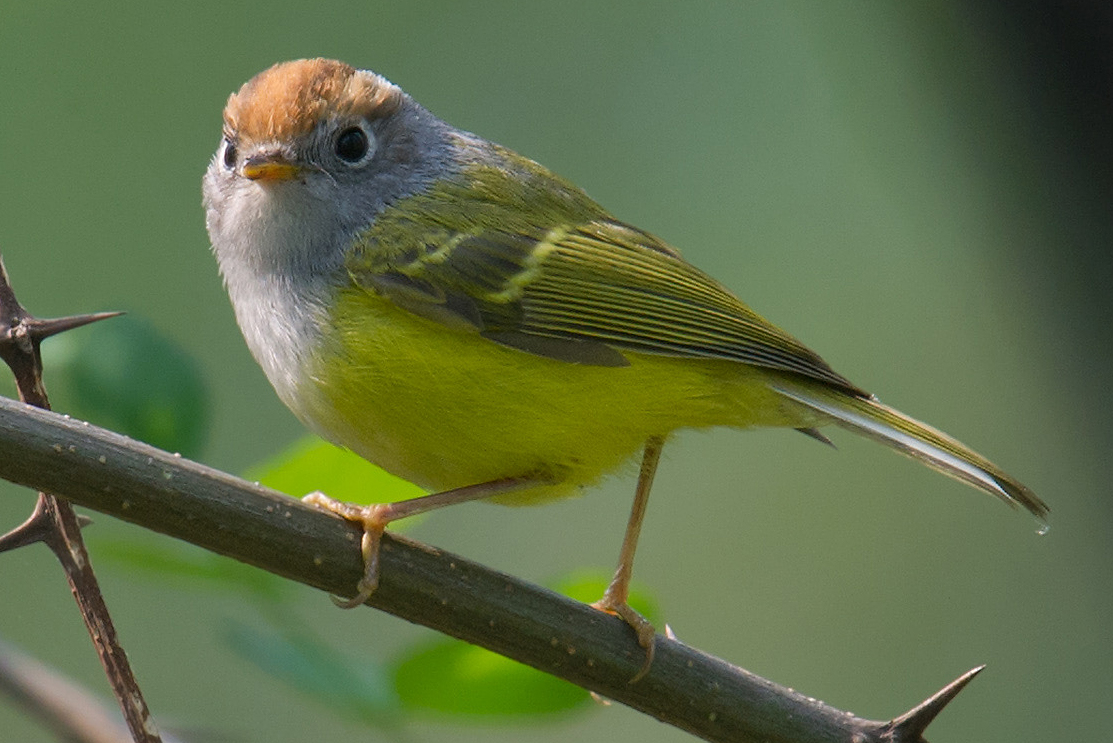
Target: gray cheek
{"x":323,"y":188}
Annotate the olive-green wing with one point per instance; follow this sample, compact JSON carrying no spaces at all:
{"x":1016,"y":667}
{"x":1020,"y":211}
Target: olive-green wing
{"x":567,"y":282}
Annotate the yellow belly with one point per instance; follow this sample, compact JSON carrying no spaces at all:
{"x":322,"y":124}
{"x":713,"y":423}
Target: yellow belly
{"x":444,"y":407}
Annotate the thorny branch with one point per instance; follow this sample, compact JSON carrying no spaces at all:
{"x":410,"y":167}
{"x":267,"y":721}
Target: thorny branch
{"x":684,"y":687}
{"x":130,"y":480}
{"x":53,"y":520}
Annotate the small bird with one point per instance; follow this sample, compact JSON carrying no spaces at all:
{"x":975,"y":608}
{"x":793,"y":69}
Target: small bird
{"x":469,"y":321}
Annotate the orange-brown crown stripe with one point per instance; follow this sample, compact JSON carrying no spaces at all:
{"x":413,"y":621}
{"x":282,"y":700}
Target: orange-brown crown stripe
{"x":289,"y":99}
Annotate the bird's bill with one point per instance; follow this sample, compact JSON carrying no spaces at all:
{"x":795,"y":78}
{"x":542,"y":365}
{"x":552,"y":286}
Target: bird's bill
{"x":270,"y":168}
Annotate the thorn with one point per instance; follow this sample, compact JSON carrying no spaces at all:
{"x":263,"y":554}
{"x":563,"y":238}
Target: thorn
{"x":4,"y":281}
{"x":911,"y":725}
{"x":15,"y":315}
{"x":41,"y":329}
{"x":39,"y":527}
{"x":818,"y":435}
{"x":9,"y":305}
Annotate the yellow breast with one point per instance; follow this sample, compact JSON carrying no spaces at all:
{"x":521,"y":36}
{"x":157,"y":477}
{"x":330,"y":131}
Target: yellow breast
{"x":444,"y":407}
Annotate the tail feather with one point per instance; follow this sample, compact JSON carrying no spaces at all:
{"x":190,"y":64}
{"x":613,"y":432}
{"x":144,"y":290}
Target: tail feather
{"x":870,"y":418}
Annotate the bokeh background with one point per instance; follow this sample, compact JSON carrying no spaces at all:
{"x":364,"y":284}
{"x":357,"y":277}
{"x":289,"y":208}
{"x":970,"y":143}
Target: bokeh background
{"x":919,"y":191}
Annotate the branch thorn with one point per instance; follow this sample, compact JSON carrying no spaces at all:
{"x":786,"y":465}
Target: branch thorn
{"x":911,"y":725}
{"x":39,"y":527}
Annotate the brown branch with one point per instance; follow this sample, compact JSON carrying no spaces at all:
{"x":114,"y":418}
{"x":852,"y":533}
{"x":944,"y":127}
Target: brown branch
{"x":54,"y":521}
{"x":163,"y":492}
{"x":74,"y":713}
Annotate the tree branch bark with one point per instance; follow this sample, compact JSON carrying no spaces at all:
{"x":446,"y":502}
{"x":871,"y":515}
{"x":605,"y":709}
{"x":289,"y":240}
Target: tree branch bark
{"x":54,"y":521}
{"x":704,"y":695}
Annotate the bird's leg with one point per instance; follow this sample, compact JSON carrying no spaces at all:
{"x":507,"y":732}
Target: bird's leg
{"x":614,"y":599}
{"x":375,"y":517}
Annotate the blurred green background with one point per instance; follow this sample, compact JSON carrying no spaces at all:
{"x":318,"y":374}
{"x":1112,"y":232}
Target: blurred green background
{"x":897,"y":185}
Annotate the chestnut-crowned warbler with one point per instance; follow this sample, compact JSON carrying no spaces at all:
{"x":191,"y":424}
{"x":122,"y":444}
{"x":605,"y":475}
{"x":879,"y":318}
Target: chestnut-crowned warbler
{"x":469,"y":321}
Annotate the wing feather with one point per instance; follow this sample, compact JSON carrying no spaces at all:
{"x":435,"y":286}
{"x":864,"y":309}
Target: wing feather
{"x":517,"y":253}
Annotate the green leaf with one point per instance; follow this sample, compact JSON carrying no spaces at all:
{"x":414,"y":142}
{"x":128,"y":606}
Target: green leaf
{"x":356,"y":688}
{"x":453,"y":678}
{"x":588,"y":586}
{"x":123,"y":374}
{"x":311,"y":464}
{"x":172,"y":561}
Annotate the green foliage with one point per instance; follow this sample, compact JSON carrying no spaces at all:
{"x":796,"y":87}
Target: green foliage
{"x":588,"y":586}
{"x":311,"y":464}
{"x":193,"y":567}
{"x":453,"y":678}
{"x":439,"y":677}
{"x":123,"y":374}
{"x":355,"y":687}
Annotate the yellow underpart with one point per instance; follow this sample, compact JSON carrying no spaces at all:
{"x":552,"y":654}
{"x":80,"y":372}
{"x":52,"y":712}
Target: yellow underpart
{"x":444,"y":407}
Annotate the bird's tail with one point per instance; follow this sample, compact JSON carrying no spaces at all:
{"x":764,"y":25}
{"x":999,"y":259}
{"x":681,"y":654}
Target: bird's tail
{"x":868,"y":417}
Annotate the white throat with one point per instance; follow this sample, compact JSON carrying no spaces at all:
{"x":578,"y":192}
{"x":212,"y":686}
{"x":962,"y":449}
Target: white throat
{"x":279,"y":264}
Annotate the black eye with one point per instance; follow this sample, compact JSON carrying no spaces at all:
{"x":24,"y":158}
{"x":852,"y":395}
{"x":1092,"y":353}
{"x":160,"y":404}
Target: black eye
{"x":229,"y":154}
{"x":352,"y":145}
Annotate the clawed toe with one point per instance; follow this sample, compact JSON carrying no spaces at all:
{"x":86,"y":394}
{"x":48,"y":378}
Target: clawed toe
{"x":643,"y":629}
{"x":374,"y":519}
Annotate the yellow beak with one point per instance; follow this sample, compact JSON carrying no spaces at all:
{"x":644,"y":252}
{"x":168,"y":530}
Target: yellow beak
{"x":270,"y":168}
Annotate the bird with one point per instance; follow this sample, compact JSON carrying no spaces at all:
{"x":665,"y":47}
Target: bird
{"x":466,"y":319}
